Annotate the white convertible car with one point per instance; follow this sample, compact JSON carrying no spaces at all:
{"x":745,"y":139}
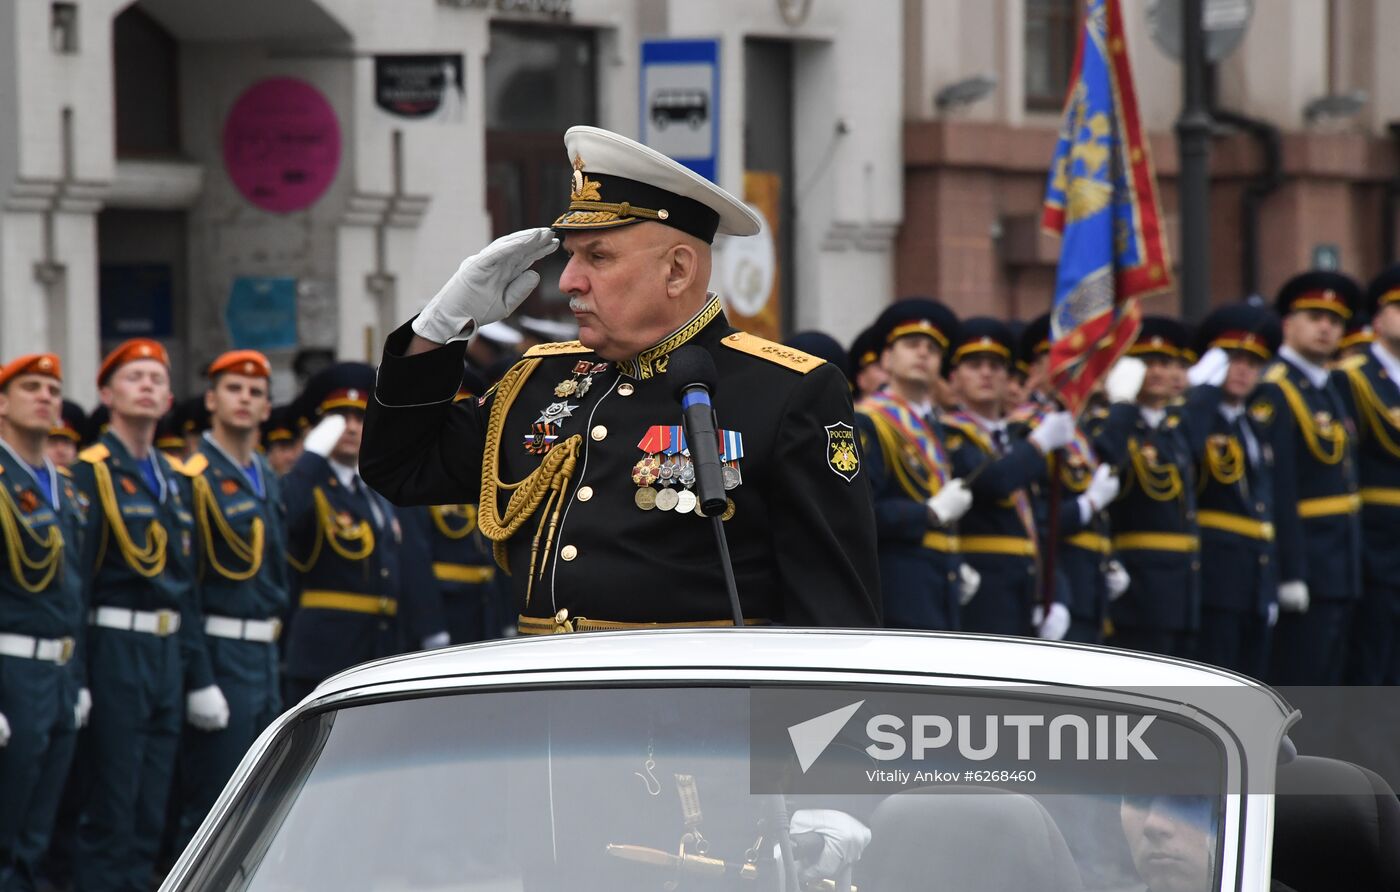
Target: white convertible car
{"x":791,"y":759}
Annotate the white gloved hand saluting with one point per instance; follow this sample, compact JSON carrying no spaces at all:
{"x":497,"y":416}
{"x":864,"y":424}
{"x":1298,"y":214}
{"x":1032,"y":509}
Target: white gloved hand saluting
{"x":1293,"y":596}
{"x":487,"y":287}
{"x":1055,"y":430}
{"x":1125,"y":380}
{"x":323,"y":437}
{"x":1116,"y":579}
{"x":1102,"y":490}
{"x":1211,"y":369}
{"x":969,"y":581}
{"x":207,"y":709}
{"x":82,"y":708}
{"x":1053,"y":626}
{"x":950,"y":503}
{"x":843,"y":840}
{"x":4,"y":730}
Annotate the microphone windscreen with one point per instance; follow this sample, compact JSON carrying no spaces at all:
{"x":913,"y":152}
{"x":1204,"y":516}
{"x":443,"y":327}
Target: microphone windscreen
{"x":690,"y":365}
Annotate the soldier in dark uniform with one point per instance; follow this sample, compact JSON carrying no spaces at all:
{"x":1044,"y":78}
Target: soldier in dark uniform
{"x":1154,"y":519}
{"x":144,"y":645}
{"x":998,"y":537}
{"x":241,"y":545}
{"x":1370,"y":384}
{"x":345,"y":542}
{"x":66,"y":436}
{"x":1083,"y":558}
{"x":1359,"y":336}
{"x":1318,"y":517}
{"x":863,"y":363}
{"x":281,"y":438}
{"x":42,"y":701}
{"x":918,"y":500}
{"x":1239,"y":566}
{"x":577,"y":455}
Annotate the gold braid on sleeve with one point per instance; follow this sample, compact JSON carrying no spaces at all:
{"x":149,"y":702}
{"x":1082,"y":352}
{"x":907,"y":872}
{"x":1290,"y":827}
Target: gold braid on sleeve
{"x":544,"y":485}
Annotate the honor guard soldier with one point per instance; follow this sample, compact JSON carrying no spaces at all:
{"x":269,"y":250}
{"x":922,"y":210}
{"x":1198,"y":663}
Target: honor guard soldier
{"x":1239,"y":566}
{"x":281,"y":439}
{"x":578,"y":456}
{"x":144,"y":644}
{"x":1317,"y":522}
{"x":240,"y":545}
{"x":66,"y":436}
{"x":998,"y":536}
{"x":1083,"y":563}
{"x":345,"y":541}
{"x":918,"y":501}
{"x":1371,"y":386}
{"x":42,"y":700}
{"x":1359,"y":337}
{"x":863,"y":363}
{"x":1154,"y":519}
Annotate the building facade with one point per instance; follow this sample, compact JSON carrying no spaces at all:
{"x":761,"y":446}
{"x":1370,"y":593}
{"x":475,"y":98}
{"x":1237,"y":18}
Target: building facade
{"x":1305,"y":169}
{"x":302,"y":175}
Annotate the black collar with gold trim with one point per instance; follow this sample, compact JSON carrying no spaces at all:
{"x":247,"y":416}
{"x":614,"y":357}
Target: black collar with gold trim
{"x":654,"y":360}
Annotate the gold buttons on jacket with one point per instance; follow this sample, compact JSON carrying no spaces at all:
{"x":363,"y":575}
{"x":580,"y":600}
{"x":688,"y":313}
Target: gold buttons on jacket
{"x":625,"y":389}
{"x":585,"y":493}
{"x":568,"y":552}
{"x":599,"y":433}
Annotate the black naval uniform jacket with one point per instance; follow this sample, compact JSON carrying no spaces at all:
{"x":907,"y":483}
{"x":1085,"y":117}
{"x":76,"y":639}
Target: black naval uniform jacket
{"x":1317,"y":522}
{"x":1373,"y":398}
{"x":801,"y":534}
{"x":1239,"y":568}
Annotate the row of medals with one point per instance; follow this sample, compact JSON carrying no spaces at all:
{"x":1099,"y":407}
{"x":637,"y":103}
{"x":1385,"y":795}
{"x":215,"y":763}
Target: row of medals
{"x":673,"y":470}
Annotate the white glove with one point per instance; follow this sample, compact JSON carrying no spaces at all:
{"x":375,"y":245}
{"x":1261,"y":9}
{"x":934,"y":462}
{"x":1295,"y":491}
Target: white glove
{"x":4,"y":730}
{"x":1273,"y":614}
{"x":82,"y":709}
{"x":843,"y":840}
{"x":1053,"y":627}
{"x":436,"y":640}
{"x":1125,"y":380}
{"x":1211,"y":369}
{"x":1117,"y":580}
{"x":1102,"y":490}
{"x":1055,"y":430}
{"x":951,"y":502}
{"x":207,"y":709}
{"x":1293,"y":596}
{"x":969,"y":581}
{"x":487,"y":287}
{"x":323,"y":437}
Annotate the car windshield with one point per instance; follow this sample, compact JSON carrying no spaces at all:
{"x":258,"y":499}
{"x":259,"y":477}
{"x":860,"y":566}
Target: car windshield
{"x":671,"y":788}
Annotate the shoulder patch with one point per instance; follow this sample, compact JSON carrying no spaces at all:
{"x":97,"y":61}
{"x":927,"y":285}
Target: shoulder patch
{"x":841,"y":454}
{"x":192,"y":466}
{"x":94,"y":454}
{"x":556,"y":348}
{"x":786,"y":357}
{"x":1262,"y":411}
{"x":63,"y":471}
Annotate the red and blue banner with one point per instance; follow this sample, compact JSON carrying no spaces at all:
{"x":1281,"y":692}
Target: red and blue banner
{"x":1101,"y":199}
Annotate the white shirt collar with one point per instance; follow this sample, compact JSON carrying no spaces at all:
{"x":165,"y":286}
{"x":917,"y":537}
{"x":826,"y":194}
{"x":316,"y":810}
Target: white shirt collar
{"x":53,"y":473}
{"x":1231,"y":413}
{"x":1153,"y":417}
{"x":1388,"y":361}
{"x":344,"y":473}
{"x":1315,"y":373}
{"x":984,"y":422}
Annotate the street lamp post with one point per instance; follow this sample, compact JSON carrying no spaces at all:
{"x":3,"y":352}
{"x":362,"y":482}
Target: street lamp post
{"x":1193,"y":145}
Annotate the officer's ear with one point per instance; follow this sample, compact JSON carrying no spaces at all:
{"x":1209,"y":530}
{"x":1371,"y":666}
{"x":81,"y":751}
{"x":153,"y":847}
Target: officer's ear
{"x":682,"y":269}
{"x":209,"y":395}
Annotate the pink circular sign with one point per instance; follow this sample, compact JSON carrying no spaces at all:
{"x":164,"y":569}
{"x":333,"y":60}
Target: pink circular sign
{"x":282,"y":144}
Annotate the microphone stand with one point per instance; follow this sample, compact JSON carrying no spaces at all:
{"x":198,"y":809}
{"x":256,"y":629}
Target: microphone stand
{"x":727,"y":567}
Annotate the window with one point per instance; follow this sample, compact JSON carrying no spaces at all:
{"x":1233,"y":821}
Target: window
{"x":1051,"y":34}
{"x":63,"y":27}
{"x":146,"y":87}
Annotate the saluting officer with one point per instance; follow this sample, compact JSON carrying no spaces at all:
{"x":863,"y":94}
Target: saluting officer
{"x":1370,"y":383}
{"x":998,"y":537}
{"x":918,"y":501}
{"x":345,"y":541}
{"x":585,"y":485}
{"x":1154,"y":519}
{"x":1083,"y":563}
{"x":1317,"y":521}
{"x":1239,"y":565}
{"x":42,"y":702}
{"x":240,"y":543}
{"x":144,"y":646}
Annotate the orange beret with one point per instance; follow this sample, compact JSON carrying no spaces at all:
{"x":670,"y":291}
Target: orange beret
{"x":31,"y":364}
{"x":241,"y":362}
{"x":130,"y":351}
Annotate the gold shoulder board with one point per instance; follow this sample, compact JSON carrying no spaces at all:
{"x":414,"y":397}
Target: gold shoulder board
{"x":1276,"y":373}
{"x":94,"y":454}
{"x":1354,"y":361}
{"x":192,"y":466}
{"x":557,"y":347}
{"x":786,"y":357}
{"x":63,"y":471}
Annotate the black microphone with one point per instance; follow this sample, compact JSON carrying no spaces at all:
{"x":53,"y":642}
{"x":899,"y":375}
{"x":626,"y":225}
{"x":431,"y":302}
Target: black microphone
{"x":692,"y":368}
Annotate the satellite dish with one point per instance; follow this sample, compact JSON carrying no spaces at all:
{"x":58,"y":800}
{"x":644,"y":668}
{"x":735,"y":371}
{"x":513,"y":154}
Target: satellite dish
{"x":1225,"y":22}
